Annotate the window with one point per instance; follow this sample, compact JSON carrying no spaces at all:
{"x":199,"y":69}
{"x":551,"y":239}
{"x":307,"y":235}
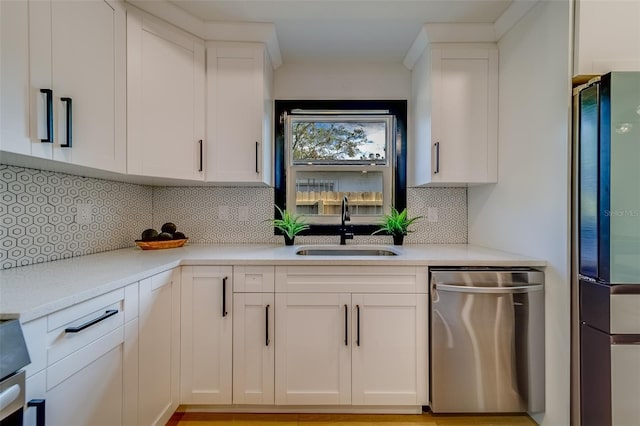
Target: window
{"x":326,"y":150}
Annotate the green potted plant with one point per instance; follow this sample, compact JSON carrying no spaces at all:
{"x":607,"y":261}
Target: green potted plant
{"x":396,"y":224}
{"x":289,"y":224}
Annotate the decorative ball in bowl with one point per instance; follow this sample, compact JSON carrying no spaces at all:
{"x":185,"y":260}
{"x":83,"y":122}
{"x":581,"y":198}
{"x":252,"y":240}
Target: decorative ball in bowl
{"x":168,"y":237}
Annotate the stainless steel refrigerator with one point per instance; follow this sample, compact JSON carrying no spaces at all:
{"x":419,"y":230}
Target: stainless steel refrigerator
{"x":607,"y":248}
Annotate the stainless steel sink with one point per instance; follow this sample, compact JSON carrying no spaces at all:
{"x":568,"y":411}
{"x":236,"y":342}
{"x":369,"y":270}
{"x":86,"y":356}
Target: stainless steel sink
{"x":346,"y":251}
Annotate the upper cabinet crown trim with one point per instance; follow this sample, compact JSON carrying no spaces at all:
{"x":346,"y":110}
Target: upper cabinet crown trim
{"x":467,"y":33}
{"x":215,"y":31}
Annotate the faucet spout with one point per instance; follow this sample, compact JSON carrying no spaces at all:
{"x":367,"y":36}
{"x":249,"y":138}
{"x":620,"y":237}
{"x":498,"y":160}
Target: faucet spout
{"x":345,"y":216}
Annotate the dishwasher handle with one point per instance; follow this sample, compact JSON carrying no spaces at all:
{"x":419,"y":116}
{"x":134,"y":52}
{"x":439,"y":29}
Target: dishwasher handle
{"x":489,"y":290}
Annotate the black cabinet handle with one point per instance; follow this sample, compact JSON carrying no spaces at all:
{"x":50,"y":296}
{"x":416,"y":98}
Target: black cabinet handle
{"x":437,"y":146}
{"x":358,"y":325}
{"x":224,"y":296}
{"x":266,"y":326}
{"x":69,"y":103}
{"x":200,"y":144}
{"x":257,"y":152}
{"x":49,"y":117}
{"x":107,"y":314}
{"x":346,"y":325}
{"x":40,"y":410}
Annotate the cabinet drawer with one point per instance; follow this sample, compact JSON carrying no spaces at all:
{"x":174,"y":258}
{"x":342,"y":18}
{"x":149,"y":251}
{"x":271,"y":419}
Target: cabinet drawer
{"x":350,"y":279}
{"x":253,"y":279}
{"x":63,"y":341}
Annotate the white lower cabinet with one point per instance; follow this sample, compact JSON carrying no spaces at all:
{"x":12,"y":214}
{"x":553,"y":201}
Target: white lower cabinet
{"x":366,"y":345}
{"x":313,"y":353}
{"x":206,"y":335}
{"x":82,"y":356}
{"x":253,"y":348}
{"x":36,"y":388}
{"x":159,"y":348}
{"x":389,"y":364}
{"x":89,"y":393}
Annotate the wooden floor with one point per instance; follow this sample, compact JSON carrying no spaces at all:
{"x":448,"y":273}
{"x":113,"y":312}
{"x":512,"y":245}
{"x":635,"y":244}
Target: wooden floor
{"x":205,"y":419}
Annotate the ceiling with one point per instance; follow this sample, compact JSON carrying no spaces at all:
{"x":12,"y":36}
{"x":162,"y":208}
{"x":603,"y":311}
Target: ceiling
{"x":346,"y":30}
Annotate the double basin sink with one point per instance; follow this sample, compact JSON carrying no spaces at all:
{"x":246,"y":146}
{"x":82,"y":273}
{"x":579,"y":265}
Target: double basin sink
{"x":322,"y":250}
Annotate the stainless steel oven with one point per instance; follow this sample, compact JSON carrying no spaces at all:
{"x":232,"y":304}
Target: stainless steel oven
{"x":13,"y":358}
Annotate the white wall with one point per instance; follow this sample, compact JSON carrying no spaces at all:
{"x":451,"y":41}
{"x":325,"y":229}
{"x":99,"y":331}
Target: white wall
{"x":329,"y":80}
{"x":607,"y":36}
{"x":527,"y":211}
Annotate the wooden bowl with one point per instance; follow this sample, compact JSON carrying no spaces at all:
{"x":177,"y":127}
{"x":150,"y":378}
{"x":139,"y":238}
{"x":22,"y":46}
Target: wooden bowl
{"x":158,"y":245}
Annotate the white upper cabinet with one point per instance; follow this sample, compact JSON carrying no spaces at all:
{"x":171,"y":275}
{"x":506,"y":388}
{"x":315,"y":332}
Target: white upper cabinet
{"x":239,"y":113}
{"x":14,"y":78}
{"x":165,"y":100}
{"x":455,"y":115}
{"x":63,"y":81}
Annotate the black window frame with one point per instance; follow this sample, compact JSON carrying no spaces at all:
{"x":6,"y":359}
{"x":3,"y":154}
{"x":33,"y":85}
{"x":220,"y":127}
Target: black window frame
{"x":397,"y":108}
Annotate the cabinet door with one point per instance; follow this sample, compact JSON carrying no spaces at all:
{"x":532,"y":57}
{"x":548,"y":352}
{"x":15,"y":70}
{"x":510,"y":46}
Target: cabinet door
{"x":14,"y":77}
{"x":464,"y":114}
{"x":77,"y":51}
{"x":236,"y":114}
{"x":206,"y":335}
{"x":159,"y":347}
{"x":88,"y":69}
{"x":390,"y":349}
{"x":35,"y":388}
{"x":253,"y":348}
{"x":165,"y":100}
{"x":86,"y":388}
{"x":313,"y":354}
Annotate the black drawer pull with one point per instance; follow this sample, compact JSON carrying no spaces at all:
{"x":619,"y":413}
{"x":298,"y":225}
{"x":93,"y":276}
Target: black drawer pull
{"x":224,"y":297}
{"x":107,"y":314}
{"x":40,"y":407}
{"x":266,"y":326}
{"x":49,"y":115}
{"x":69,"y":126}
{"x":346,"y":325}
{"x":358,"y":325}
{"x":257,"y":157}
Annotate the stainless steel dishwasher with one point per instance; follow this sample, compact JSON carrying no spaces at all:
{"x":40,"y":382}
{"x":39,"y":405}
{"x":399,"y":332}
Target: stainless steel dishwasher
{"x":487,"y":340}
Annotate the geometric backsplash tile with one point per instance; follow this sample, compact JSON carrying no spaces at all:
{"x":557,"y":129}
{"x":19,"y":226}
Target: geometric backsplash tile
{"x":38,"y":215}
{"x":212,"y":215}
{"x":196,"y":211}
{"x":449,"y":207}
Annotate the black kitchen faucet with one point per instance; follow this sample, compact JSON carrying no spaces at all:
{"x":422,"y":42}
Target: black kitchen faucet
{"x":345,"y":217}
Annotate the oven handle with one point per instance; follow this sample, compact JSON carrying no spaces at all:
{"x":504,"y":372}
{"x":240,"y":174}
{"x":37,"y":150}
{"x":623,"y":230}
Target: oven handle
{"x":9,"y":396}
{"x":40,"y":410}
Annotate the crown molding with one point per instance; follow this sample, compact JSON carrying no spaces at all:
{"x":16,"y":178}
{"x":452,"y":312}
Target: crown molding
{"x":247,"y":32}
{"x":467,"y":33}
{"x":215,"y":31}
{"x":172,"y":14}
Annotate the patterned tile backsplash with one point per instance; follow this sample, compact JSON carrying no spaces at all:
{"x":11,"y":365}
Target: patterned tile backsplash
{"x":38,"y":215}
{"x":212,"y":215}
{"x":39,"y":223}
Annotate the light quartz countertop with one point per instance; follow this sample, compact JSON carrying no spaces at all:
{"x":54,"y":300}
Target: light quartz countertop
{"x":33,"y":291}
